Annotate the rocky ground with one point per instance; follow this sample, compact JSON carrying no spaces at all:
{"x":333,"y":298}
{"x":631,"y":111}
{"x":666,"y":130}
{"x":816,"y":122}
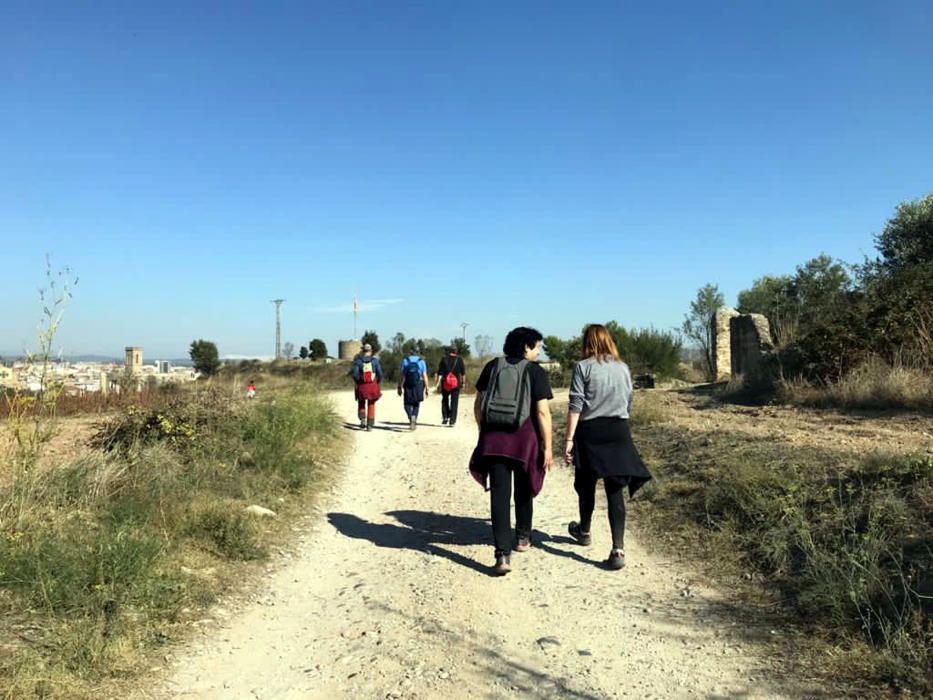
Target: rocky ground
{"x":389,"y":594}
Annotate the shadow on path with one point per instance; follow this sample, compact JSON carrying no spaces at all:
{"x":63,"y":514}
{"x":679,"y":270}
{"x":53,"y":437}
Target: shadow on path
{"x":421,"y":531}
{"x":347,"y":425}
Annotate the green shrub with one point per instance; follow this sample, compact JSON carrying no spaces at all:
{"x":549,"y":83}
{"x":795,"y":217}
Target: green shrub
{"x":229,"y":532}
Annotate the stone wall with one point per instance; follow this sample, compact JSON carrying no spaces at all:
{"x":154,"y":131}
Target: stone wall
{"x":722,"y":347}
{"x":751,"y":344}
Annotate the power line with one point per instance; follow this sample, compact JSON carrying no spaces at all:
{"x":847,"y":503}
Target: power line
{"x":278,"y":327}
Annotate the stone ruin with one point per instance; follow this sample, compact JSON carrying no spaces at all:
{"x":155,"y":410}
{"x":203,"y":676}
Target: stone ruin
{"x":741,"y":345}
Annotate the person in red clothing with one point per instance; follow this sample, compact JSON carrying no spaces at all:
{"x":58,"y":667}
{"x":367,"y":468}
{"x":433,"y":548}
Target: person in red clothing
{"x":367,"y":375}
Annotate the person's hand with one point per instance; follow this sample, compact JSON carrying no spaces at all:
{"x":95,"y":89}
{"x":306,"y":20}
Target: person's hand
{"x":399,"y":389}
{"x":426,"y":392}
{"x":548,"y":460}
{"x":568,"y":452}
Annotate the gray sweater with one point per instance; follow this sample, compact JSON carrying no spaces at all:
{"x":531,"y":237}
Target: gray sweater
{"x":601,"y":389}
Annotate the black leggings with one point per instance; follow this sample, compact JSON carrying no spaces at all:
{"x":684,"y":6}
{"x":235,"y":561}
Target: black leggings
{"x":584,"y":483}
{"x":449,"y":401}
{"x":500,"y":497}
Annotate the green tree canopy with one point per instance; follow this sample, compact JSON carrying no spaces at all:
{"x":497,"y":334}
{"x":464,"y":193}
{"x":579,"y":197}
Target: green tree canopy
{"x":463,"y":347}
{"x":204,"y":356}
{"x":303,"y":352}
{"x":698,"y":324}
{"x":317,"y":349}
{"x":372,"y":338}
{"x":907,"y":238}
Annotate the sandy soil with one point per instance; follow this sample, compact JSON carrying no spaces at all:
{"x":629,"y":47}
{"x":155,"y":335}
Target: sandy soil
{"x":389,"y":594}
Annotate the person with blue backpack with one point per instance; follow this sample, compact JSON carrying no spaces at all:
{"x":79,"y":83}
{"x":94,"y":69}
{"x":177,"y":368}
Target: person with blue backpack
{"x":413,"y":384}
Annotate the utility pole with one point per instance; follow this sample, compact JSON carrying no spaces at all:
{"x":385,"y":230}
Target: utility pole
{"x":463,"y":327}
{"x":278,"y":327}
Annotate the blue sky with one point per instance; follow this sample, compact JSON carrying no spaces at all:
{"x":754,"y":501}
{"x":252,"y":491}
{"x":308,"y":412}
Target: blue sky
{"x":492,"y":163}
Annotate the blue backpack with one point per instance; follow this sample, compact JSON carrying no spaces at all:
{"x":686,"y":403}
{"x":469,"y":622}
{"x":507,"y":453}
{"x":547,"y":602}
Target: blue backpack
{"x":412,"y":373}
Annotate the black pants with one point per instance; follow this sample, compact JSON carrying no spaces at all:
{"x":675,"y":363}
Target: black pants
{"x":449,"y":401}
{"x":500,"y":497}
{"x":584,"y":483}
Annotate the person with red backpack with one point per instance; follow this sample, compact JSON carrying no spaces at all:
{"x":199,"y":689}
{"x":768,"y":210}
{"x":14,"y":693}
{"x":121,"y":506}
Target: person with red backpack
{"x":367,"y":375}
{"x":450,"y":377}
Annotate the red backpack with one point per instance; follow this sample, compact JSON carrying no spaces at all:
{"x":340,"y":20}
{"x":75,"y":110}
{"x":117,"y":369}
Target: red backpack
{"x":450,"y":379}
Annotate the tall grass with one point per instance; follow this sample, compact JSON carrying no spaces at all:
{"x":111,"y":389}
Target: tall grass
{"x":875,"y":384}
{"x":98,"y":556}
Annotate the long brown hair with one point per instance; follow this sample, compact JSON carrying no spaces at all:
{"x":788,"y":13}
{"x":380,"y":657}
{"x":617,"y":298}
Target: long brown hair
{"x":598,"y":343}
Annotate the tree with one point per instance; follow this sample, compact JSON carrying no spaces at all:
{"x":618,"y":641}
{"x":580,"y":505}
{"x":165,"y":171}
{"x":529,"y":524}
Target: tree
{"x":699,"y":323}
{"x":303,"y":353}
{"x":907,"y":238}
{"x":483,"y":345}
{"x":204,"y":356}
{"x":288,"y":350}
{"x":317,"y":349}
{"x":372,"y":338}
{"x":655,"y":351}
{"x":463,"y":348}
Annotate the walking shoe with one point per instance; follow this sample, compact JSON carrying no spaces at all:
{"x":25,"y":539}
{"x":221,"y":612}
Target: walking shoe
{"x":503,"y":564}
{"x":412,"y":423}
{"x":444,"y":422}
{"x":370,"y":424}
{"x":522,"y":543}
{"x":581,"y":537}
{"x":616,"y":559}
{"x":362,"y":423}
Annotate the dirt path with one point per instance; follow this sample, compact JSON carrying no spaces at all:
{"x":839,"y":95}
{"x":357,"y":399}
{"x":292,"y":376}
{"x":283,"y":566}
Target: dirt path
{"x":389,"y":595}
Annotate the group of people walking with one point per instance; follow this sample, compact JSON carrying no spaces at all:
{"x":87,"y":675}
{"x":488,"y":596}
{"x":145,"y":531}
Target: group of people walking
{"x":412,"y":385}
{"x":515,"y":448}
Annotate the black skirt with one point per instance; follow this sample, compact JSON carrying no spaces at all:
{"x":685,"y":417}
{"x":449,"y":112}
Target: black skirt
{"x":604,"y":447}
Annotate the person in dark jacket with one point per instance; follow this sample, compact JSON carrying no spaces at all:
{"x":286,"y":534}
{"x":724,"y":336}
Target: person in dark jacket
{"x":522,"y":455}
{"x":599,"y":442}
{"x":367,"y":376}
{"x":451,"y":375}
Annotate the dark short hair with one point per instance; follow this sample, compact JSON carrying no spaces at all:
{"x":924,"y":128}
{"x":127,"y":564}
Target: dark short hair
{"x":520,"y":338}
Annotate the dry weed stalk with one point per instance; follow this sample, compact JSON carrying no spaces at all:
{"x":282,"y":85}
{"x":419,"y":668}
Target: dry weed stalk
{"x":31,"y":414}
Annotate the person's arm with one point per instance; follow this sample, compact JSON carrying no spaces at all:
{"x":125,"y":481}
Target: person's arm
{"x":544,"y":421}
{"x":478,"y":409}
{"x":574,"y":409}
{"x":440,"y":373}
{"x":377,"y":367}
{"x":401,"y":376}
{"x":572,"y":420}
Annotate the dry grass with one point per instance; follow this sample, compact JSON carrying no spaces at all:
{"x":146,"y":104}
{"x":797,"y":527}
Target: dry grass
{"x":873,"y":385}
{"x":841,"y":538}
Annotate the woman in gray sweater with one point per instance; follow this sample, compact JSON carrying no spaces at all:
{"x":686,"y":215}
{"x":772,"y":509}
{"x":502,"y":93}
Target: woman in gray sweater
{"x":599,"y":442}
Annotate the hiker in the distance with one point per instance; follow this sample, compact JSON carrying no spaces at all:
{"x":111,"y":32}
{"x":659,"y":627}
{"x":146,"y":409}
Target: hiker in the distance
{"x":251,"y":390}
{"x":367,"y":375}
{"x":599,"y":442}
{"x":451,"y":373}
{"x":514,"y":419}
{"x":413,"y":384}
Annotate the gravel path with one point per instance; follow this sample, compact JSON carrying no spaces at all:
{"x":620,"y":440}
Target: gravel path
{"x":389,"y":595}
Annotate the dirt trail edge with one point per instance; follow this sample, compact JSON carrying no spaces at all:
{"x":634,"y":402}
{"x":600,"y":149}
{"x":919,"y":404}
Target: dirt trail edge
{"x":390,"y":595}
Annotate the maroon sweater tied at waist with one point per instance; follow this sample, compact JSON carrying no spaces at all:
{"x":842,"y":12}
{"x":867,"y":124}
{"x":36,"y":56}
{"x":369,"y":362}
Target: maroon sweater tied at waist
{"x":522,"y":445}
